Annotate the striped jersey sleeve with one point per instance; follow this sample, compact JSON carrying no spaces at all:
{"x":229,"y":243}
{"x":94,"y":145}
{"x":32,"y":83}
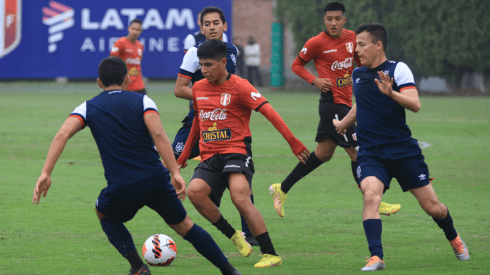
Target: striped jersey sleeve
{"x":190,"y":64}
{"x":80,"y":112}
{"x":149,"y":106}
{"x":403,"y":76}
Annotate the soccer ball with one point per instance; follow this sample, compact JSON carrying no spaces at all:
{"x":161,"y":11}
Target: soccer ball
{"x":160,"y":250}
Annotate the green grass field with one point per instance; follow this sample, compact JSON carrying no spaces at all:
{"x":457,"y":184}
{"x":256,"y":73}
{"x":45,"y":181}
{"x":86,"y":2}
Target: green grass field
{"x":321,"y":233}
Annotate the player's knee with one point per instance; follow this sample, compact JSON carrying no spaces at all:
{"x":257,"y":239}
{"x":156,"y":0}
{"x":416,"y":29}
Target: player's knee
{"x":240,"y":200}
{"x":195,"y":195}
{"x":99,"y":215}
{"x":324,"y":156}
{"x":435,"y":210}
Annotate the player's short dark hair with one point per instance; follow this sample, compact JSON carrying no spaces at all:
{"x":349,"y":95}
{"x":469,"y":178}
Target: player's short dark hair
{"x":136,"y":20}
{"x":211,"y":9}
{"x":112,"y":71}
{"x":212,"y":49}
{"x":334,"y":6}
{"x":376,"y":30}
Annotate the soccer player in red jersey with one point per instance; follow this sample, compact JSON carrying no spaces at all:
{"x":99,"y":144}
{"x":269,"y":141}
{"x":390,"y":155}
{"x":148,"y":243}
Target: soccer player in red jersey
{"x":333,"y":52}
{"x":223,"y":103}
{"x":130,"y":50}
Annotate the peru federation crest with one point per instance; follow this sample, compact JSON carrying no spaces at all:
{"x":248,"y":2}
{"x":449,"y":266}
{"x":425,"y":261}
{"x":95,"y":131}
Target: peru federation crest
{"x":10,"y":25}
{"x":350,"y":47}
{"x":225,"y":99}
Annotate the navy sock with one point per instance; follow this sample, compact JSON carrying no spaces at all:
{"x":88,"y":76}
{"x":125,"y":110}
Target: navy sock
{"x":265,"y":244}
{"x":245,"y":228}
{"x":447,"y":226}
{"x":204,"y":244}
{"x":225,"y":228}
{"x":373,"y":228}
{"x":353,"y":165}
{"x":121,"y":239}
{"x":300,"y":171}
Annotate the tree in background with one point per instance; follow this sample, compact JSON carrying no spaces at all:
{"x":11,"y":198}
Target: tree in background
{"x":447,"y":38}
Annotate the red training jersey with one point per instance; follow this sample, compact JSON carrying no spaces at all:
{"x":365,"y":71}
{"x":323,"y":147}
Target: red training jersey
{"x":224,"y":115}
{"x":131,"y":53}
{"x":333,"y":58}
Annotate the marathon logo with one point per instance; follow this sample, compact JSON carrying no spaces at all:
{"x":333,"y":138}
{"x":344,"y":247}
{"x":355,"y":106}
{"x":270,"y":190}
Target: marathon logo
{"x":344,"y":81}
{"x":215,"y":134}
{"x":10,"y":25}
{"x":59,"y":18}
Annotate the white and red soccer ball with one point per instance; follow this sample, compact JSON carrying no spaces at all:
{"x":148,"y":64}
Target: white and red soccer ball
{"x":159,"y":250}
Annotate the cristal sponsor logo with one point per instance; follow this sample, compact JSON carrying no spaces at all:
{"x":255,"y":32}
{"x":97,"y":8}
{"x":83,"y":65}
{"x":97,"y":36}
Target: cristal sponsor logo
{"x":216,"y":114}
{"x":59,"y":18}
{"x":344,"y":81}
{"x":215,"y":134}
{"x":347,"y":63}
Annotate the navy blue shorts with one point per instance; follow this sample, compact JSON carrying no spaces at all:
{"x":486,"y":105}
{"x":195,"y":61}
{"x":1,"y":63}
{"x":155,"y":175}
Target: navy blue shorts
{"x":157,"y":193}
{"x":410,"y":172}
{"x":181,"y":139}
{"x":214,"y":171}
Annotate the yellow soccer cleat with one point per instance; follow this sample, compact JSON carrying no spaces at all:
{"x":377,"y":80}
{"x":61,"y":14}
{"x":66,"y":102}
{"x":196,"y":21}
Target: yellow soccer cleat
{"x":268,"y":260}
{"x":241,"y":244}
{"x":279,"y":198}
{"x":388,"y":209}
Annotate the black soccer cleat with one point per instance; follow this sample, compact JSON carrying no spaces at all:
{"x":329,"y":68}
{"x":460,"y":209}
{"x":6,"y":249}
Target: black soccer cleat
{"x":142,"y":270}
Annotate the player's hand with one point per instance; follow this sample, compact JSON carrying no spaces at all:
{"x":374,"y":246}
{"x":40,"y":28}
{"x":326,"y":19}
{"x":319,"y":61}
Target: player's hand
{"x":179,"y":185}
{"x":384,"y":83}
{"x":303,"y":156}
{"x":324,"y":84}
{"x":181,"y":165}
{"x":338,"y":126}
{"x":42,"y":186}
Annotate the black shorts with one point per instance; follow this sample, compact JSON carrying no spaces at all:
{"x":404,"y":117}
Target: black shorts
{"x":326,"y":129}
{"x":214,"y":171}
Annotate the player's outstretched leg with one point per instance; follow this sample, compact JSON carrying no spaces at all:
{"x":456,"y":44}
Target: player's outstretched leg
{"x":205,"y":245}
{"x":121,"y":239}
{"x":198,"y":194}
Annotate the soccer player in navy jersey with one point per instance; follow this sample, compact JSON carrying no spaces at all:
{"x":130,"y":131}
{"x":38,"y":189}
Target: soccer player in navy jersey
{"x":383,"y":90}
{"x":213,"y":26}
{"x":333,"y":52}
{"x":127,"y":128}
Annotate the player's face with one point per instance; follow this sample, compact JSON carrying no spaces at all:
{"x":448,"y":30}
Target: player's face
{"x":366,"y":49}
{"x":134,"y":31}
{"x":212,"y":69}
{"x":334,"y":22}
{"x":212,"y":26}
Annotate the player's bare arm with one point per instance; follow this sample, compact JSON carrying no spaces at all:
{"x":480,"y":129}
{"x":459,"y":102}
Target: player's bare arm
{"x":69,"y":128}
{"x":408,"y":98}
{"x":182,"y":88}
{"x":348,"y":120}
{"x":164,"y":148}
{"x":298,"y":148}
{"x":298,"y":67}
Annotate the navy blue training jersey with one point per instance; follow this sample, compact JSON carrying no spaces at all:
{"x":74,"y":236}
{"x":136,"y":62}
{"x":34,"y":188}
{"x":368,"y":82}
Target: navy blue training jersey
{"x":126,"y":147}
{"x":380,"y":120}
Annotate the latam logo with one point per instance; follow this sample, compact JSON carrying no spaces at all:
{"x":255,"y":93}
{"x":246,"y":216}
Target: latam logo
{"x":10,"y":25}
{"x":59,"y":18}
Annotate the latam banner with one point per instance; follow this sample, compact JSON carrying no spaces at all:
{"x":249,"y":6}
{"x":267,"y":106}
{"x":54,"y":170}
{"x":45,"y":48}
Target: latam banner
{"x":68,"y":38}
